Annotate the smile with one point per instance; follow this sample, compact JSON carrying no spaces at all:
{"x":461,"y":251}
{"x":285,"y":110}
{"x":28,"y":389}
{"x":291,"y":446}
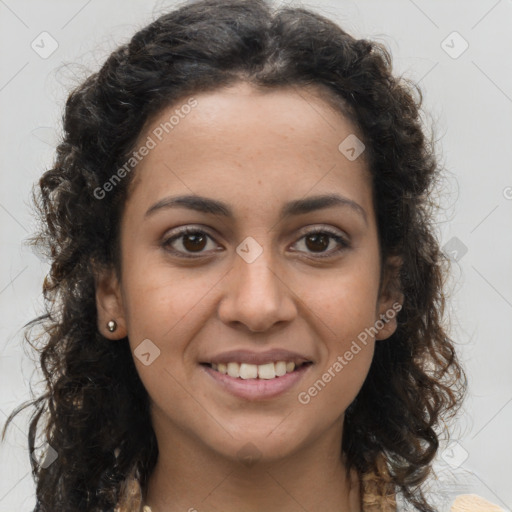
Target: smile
{"x":256,"y":382}
{"x":252,"y":371}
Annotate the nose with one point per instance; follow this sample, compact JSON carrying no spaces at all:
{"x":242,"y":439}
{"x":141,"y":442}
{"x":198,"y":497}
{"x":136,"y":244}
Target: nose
{"x":257,"y":295}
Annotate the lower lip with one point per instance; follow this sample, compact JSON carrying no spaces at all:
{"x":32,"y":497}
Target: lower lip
{"x":257,"y":389}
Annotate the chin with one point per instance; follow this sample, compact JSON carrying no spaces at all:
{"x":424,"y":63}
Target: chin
{"x":259,"y":446}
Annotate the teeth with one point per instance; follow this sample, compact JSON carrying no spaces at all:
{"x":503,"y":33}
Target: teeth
{"x":248,"y":371}
{"x":252,"y":371}
{"x":266,"y":371}
{"x":233,"y":369}
{"x":281,"y":367}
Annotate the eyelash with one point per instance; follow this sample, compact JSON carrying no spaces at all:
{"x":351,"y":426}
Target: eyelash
{"x":195,"y":231}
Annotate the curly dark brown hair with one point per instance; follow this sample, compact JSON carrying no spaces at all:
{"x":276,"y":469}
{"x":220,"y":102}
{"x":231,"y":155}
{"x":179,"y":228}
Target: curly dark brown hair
{"x":94,"y":402}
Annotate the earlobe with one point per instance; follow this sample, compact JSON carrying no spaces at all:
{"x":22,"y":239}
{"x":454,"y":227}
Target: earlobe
{"x":391,"y":299}
{"x":109,"y":305}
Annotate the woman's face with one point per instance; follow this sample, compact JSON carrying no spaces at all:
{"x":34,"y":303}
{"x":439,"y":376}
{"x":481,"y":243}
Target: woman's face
{"x":252,"y":283}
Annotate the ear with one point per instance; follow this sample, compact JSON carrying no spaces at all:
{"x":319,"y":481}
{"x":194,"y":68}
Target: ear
{"x":391,"y":298}
{"x":109,"y":304}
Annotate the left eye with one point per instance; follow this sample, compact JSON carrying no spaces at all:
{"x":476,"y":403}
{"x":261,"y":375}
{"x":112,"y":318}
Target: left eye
{"x":321,"y":239}
{"x":194,"y":241}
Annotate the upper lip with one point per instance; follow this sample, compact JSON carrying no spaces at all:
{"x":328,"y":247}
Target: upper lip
{"x":257,"y":358}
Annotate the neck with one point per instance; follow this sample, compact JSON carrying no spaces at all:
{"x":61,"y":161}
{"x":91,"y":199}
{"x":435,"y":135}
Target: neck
{"x":191,"y":477}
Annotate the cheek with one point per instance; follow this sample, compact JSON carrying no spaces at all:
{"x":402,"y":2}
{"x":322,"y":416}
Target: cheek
{"x":346,"y":304}
{"x":164,"y":305}
{"x":335,"y":387}
{"x":346,"y":313}
{"x":165,"y":313}
{"x":162,"y":322}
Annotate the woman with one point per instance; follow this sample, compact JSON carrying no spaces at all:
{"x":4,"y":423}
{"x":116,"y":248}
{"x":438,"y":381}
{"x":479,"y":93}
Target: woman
{"x":204,"y":350}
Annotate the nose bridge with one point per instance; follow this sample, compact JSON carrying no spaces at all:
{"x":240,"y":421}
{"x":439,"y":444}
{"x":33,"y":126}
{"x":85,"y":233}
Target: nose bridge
{"x":256,"y":295}
{"x":255,"y":270}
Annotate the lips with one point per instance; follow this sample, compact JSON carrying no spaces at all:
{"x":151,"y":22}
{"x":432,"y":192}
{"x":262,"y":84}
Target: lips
{"x":256,"y":389}
{"x":253,"y":375}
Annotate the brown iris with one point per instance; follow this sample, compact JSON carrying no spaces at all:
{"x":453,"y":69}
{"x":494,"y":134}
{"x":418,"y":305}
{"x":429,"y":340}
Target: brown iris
{"x":324,"y":241}
{"x":197,"y":241}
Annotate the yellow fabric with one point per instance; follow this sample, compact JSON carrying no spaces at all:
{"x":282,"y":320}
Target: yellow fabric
{"x":473,"y":503}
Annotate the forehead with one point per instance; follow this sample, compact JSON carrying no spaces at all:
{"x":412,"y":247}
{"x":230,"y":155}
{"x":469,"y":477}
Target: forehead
{"x":239,"y":137}
{"x":301,"y":111}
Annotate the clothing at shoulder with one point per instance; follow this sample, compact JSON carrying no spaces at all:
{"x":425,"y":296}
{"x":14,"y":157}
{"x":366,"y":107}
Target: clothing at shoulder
{"x":473,"y":503}
{"x":131,"y":501}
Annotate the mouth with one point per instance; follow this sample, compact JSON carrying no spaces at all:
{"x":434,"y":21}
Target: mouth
{"x":256,"y":382}
{"x":267,"y":371}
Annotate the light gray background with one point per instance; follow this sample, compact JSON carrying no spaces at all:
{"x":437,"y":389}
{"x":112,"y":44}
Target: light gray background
{"x":470,"y":99}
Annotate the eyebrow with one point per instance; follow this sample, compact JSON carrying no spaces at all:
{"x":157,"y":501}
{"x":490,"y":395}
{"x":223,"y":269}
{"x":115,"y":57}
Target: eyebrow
{"x":297,"y":207}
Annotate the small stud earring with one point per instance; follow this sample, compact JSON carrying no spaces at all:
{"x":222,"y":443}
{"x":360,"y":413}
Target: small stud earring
{"x":112,"y":326}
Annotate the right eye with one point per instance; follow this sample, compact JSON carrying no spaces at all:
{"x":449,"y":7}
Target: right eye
{"x":191,"y":239}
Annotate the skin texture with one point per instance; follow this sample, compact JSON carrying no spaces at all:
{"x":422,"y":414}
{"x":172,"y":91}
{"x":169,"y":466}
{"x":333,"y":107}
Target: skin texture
{"x":254,"y":151}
